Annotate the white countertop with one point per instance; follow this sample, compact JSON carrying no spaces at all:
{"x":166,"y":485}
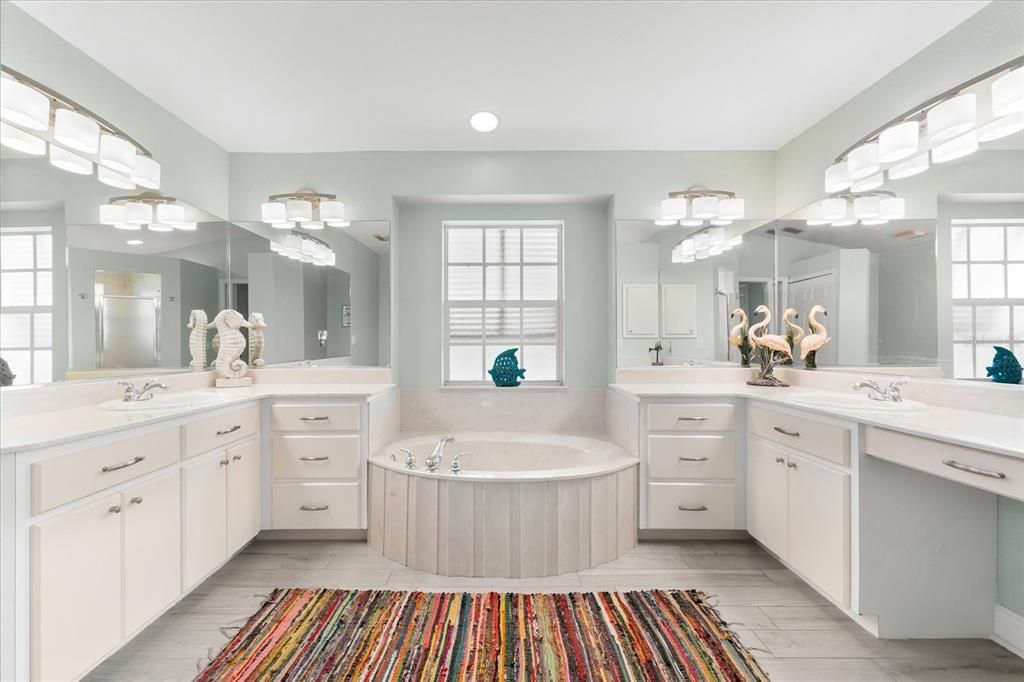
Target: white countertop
{"x":981,"y":430}
{"x":45,"y":429}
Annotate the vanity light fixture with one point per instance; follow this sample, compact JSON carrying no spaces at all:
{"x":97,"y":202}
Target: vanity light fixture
{"x":910,"y":167}
{"x":863,"y":161}
{"x":304,"y":248}
{"x":952,"y":117}
{"x":306,"y":209}
{"x":691,"y":207}
{"x":869,"y":183}
{"x":159,"y":211}
{"x":845,"y":209}
{"x":34,"y":116}
{"x":1001,"y":127}
{"x":957,"y":148}
{"x":899,"y":142}
{"x":704,"y":243}
{"x":1008,"y":93}
{"x":837,"y":177}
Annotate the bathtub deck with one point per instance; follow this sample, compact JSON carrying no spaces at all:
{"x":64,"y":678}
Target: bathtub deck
{"x":794,"y":632}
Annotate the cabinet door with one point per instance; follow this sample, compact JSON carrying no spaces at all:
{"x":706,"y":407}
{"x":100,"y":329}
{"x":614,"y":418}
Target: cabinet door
{"x":152,"y":549}
{"x":205,"y":514}
{"x":243,"y":510}
{"x":766,"y":495}
{"x":640,"y":310}
{"x":819,"y":525}
{"x":76,"y":589}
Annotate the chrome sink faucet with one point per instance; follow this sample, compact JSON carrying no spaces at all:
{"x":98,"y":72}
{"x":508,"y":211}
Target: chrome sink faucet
{"x":434,"y":460}
{"x":875,"y":392}
{"x":132,"y":393}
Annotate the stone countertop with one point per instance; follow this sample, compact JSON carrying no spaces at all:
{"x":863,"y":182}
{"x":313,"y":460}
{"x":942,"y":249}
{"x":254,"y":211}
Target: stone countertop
{"x":981,"y":430}
{"x":46,"y":429}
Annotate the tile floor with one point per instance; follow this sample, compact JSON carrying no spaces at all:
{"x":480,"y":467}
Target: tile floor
{"x":794,"y":633}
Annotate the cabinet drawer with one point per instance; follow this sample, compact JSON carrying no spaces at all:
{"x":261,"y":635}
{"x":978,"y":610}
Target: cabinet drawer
{"x":313,"y":417}
{"x":691,"y":505}
{"x":69,"y":477}
{"x":691,"y":457}
{"x":691,"y":417}
{"x":827,"y":441}
{"x":315,"y":505}
{"x":206,"y":434}
{"x":316,"y":456}
{"x":971,"y":467}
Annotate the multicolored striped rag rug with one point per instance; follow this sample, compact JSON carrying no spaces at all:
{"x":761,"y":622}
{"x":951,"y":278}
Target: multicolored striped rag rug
{"x":308,"y":634}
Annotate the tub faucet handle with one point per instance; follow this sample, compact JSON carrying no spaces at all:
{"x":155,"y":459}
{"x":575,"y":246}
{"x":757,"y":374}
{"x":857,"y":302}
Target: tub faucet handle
{"x":457,"y":462}
{"x":410,"y":459}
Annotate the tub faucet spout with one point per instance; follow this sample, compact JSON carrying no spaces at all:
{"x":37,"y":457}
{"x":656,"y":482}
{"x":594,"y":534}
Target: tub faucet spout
{"x":434,"y":461}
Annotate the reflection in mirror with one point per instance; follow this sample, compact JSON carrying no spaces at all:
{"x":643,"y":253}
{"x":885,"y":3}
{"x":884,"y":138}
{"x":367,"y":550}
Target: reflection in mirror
{"x":317,"y":312}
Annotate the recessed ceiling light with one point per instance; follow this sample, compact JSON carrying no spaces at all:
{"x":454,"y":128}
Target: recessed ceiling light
{"x":483,"y":121}
{"x":134,"y":242}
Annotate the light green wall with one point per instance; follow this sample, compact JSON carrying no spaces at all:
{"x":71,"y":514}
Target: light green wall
{"x":1010,"y":568}
{"x":419,"y":296}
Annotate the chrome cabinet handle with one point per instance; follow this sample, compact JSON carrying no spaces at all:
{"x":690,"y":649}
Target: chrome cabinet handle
{"x":791,"y":465}
{"x":314,"y":419}
{"x":236,"y":458}
{"x":779,"y":460}
{"x":784,"y":432}
{"x":952,"y":463}
{"x":231,"y":430}
{"x":116,"y":509}
{"x":307,"y":507}
{"x":136,"y":500}
{"x":697,"y":508}
{"x":225,"y":462}
{"x":693,"y":459}
{"x":691,"y":419}
{"x":323,"y":458}
{"x":117,"y":467}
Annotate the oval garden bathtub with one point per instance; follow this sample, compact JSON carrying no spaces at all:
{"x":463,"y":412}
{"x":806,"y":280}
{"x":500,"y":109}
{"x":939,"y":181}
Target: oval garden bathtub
{"x":524,"y":505}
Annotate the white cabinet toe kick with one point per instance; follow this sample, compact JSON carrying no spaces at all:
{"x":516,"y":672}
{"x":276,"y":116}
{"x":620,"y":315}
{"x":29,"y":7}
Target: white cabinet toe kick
{"x":144,"y":515}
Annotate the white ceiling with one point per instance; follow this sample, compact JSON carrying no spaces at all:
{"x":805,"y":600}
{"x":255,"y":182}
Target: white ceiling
{"x":336,"y":76}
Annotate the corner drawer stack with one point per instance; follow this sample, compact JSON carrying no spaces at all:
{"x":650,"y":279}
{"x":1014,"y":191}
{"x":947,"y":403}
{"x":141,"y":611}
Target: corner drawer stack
{"x":316,"y":466}
{"x":691,"y":466}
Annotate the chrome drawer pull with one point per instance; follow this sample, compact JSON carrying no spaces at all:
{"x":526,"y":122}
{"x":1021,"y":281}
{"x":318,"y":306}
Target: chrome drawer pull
{"x":952,"y":463}
{"x":116,"y":509}
{"x":136,"y":500}
{"x":307,"y":507}
{"x":225,"y":462}
{"x":779,"y":460}
{"x":691,"y":419}
{"x":117,"y":467}
{"x":791,"y":465}
{"x":314,"y":419}
{"x":231,"y":430}
{"x":698,"y":508}
{"x":784,"y":432}
{"x":236,"y":458}
{"x":693,"y":459}
{"x":324,"y":458}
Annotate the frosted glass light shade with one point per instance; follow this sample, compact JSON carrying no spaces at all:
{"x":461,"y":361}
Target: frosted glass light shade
{"x":816,"y":222}
{"x":660,"y":222}
{"x":1008,"y":93}
{"x":113,"y":179}
{"x":874,"y":222}
{"x":23,"y":105}
{"x":273,"y":212}
{"x":72,"y":163}
{"x":716,"y":249}
{"x":332,"y":210}
{"x":701,"y":241}
{"x":313,"y":225}
{"x":187,"y":227}
{"x":869,"y":183}
{"x":899,"y":141}
{"x":127,"y":226}
{"x":673,"y":209}
{"x":833,"y":209}
{"x":701,"y":255}
{"x":731,"y":209}
{"x":866,"y":207}
{"x":1001,"y":127}
{"x":171,"y":214}
{"x":19,"y":140}
{"x":736,"y":241}
{"x":845,"y":222}
{"x":863,"y":161}
{"x":910,"y":167}
{"x":716,"y":236}
{"x":76,"y":131}
{"x":705,"y":207}
{"x":956,"y":148}
{"x":691,"y":222}
{"x":160,"y":227}
{"x":687,"y":246}
{"x":952,"y":117}
{"x":837,"y":177}
{"x":346,"y":223}
{"x":117,"y":154}
{"x":720,"y":221}
{"x":283,"y":225}
{"x":146,"y":172}
{"x":892,"y":208}
{"x":111,"y":214}
{"x":138,"y":213}
{"x":299,"y":210}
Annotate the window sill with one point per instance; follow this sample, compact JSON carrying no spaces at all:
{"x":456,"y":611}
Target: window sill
{"x":505,"y":389}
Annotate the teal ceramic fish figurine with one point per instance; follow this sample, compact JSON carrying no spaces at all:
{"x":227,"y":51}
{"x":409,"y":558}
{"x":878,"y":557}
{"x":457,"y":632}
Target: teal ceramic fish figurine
{"x":1005,"y":367}
{"x":506,"y":371}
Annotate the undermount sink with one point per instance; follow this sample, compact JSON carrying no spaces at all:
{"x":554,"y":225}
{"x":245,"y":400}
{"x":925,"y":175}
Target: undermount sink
{"x":854,"y":401}
{"x":167,"y":401}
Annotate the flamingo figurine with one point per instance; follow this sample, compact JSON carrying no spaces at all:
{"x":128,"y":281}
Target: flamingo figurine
{"x":772,"y":342}
{"x":739,"y":336}
{"x":815,"y":339}
{"x":794,"y":332}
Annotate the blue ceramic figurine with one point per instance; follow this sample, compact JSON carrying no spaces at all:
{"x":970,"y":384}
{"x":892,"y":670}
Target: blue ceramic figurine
{"x":506,"y":370}
{"x":1005,"y":368}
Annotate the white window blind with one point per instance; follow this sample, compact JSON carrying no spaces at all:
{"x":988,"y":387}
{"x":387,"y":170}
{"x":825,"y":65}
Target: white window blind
{"x":502,"y":289}
{"x":26,"y":300}
{"x":988,"y":292}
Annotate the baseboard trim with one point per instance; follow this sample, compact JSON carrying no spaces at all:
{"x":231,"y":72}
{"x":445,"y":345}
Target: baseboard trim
{"x":312,"y":534}
{"x":1009,"y":630}
{"x":724,"y":534}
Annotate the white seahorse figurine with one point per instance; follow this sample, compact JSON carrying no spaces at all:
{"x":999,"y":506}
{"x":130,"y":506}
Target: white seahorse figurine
{"x":229,"y":364}
{"x":256,"y":327}
{"x":197,"y":339}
